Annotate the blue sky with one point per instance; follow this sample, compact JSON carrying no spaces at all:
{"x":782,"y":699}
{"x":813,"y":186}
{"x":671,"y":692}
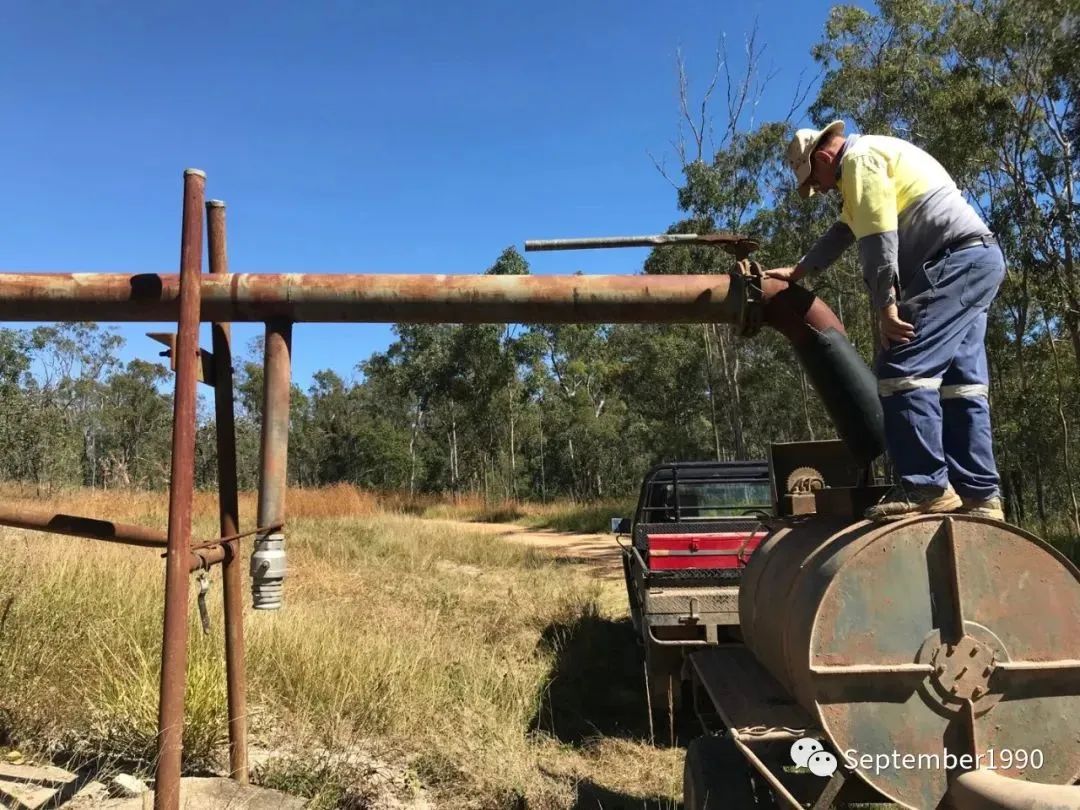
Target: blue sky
{"x":357,"y":136}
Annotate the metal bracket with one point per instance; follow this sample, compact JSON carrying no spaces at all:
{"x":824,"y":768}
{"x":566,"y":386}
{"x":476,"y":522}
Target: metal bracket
{"x":205,"y":370}
{"x":831,"y":791}
{"x":750,"y":319}
{"x":204,"y":612}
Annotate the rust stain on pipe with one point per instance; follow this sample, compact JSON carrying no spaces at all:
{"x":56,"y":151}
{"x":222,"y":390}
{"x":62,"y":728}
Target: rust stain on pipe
{"x":232,"y":577}
{"x":76,"y":526}
{"x":224,"y":552}
{"x":181,"y":494}
{"x":326,"y":298}
{"x":275,"y":436}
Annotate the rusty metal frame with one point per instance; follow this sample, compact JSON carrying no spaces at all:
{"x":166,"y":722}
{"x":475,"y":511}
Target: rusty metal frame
{"x":181,"y":494}
{"x":228,"y":506}
{"x":192,"y":365}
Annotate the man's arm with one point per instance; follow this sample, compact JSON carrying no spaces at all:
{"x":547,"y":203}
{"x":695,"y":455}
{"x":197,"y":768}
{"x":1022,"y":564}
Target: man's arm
{"x":871,"y":198}
{"x":826,"y":250}
{"x":868,"y":187}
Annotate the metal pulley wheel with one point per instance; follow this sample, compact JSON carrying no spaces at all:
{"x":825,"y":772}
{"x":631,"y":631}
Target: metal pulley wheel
{"x":804,"y":480}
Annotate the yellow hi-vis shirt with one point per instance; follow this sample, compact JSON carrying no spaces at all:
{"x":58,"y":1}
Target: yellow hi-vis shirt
{"x":901,"y":207}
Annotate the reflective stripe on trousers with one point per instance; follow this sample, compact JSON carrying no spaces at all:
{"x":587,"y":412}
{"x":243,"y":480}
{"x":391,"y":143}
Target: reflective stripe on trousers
{"x":894,"y":386}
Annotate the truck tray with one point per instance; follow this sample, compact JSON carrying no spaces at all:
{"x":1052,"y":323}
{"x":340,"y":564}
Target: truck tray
{"x":748,"y":699}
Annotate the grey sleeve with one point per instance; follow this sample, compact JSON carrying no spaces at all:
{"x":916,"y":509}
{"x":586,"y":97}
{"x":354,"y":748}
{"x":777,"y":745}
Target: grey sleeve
{"x":827,"y":248}
{"x":877,"y":253}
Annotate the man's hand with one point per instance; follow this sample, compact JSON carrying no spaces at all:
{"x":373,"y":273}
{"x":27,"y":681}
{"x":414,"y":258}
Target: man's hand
{"x":788,"y":274}
{"x":894,"y":330}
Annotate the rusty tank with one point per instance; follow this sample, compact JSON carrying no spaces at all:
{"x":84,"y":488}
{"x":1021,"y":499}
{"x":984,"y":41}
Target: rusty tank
{"x":929,"y":636}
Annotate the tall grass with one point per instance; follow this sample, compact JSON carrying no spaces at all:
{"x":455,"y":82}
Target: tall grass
{"x":441,"y":649}
{"x":561,"y":515}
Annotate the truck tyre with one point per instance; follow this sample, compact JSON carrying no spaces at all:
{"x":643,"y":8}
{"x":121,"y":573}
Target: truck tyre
{"x":716,"y":777}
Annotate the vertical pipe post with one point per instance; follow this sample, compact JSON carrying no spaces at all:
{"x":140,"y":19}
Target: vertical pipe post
{"x":268,"y":559}
{"x":232,"y":579}
{"x":181,"y":495}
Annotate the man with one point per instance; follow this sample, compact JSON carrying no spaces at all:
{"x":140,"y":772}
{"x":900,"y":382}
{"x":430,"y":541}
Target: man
{"x":932,"y":268}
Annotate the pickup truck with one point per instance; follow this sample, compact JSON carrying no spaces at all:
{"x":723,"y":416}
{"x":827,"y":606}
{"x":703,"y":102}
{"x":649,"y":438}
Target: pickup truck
{"x":694,"y":529}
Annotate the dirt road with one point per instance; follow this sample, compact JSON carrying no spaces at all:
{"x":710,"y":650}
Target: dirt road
{"x":599,"y":551}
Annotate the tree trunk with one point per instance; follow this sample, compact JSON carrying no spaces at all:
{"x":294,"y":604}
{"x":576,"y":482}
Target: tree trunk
{"x":1064,"y":427}
{"x":710,"y":379}
{"x":1040,"y":498}
{"x":573,"y":468}
{"x":513,"y":458}
{"x":806,"y":405}
{"x":412,"y":447}
{"x":452,"y":441}
{"x":1072,"y":295}
{"x":453,"y":433}
{"x":1018,"y":490}
{"x":543,"y":476}
{"x":731,"y":379}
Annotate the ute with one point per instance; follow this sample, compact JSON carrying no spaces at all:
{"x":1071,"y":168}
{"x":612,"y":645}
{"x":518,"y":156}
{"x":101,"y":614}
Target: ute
{"x":694,"y":529}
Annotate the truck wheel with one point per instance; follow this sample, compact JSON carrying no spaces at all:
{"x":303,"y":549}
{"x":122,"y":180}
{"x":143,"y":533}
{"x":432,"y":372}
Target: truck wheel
{"x":716,"y":777}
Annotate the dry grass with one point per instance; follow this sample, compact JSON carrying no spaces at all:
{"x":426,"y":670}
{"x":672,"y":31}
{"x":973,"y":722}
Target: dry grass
{"x":501,"y":678}
{"x":561,"y":515}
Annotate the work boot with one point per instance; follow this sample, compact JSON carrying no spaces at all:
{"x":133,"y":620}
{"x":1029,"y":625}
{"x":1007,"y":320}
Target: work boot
{"x":982,"y":507}
{"x":904,"y":502}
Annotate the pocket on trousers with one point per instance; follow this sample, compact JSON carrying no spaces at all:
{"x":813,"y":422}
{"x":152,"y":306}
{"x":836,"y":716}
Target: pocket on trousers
{"x":920,"y":291}
{"x":983,"y":278}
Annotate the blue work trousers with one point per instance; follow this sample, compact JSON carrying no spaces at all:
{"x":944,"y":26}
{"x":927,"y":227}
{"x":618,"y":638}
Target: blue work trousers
{"x":934,"y":390}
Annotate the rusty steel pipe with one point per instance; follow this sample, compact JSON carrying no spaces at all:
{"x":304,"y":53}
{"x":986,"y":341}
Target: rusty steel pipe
{"x":232,"y":577}
{"x":90,"y":528}
{"x":268,"y":558}
{"x":847,"y":388}
{"x":207,"y":556}
{"x":326,"y":298}
{"x":732,"y":242}
{"x":95,"y":529}
{"x":181,"y":495}
{"x":990,"y":790}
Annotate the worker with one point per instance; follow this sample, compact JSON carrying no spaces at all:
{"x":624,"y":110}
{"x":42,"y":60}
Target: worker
{"x":932,"y":268}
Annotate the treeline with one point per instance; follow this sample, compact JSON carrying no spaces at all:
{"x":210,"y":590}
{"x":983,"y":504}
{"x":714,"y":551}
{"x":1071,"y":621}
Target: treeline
{"x":990,"y":87}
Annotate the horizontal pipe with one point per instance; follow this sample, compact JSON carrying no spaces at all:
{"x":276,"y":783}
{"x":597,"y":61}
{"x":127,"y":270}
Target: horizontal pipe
{"x":728,"y":241}
{"x":76,"y":526}
{"x":331,"y":298}
{"x":212,"y":555}
{"x":841,"y":378}
{"x":205,"y":555}
{"x":983,"y":790}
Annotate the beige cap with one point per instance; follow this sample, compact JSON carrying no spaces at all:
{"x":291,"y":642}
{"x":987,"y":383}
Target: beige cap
{"x":800,"y":149}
